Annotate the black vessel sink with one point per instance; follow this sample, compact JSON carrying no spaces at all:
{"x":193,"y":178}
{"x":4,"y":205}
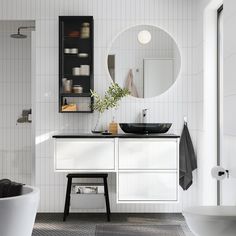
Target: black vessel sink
{"x":145,"y":128}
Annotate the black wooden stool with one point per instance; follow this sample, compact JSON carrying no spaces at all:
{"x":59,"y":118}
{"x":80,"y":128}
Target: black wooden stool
{"x":86,"y":175}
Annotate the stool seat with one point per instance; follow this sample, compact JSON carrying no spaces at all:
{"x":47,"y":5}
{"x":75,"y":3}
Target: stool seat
{"x":70,"y":176}
{"x":87,"y":175}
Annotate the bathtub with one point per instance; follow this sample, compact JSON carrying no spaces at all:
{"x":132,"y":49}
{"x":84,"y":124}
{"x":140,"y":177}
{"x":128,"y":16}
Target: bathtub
{"x":211,"y":220}
{"x":17,"y":214}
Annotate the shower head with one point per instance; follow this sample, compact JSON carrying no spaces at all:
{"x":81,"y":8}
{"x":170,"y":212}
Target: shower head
{"x":19,"y":35}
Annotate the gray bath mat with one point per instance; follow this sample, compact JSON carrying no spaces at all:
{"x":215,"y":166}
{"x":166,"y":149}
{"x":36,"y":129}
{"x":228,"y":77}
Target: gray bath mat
{"x":139,"y":230}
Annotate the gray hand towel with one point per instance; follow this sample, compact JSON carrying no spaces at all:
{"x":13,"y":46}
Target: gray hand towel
{"x":187,"y":159}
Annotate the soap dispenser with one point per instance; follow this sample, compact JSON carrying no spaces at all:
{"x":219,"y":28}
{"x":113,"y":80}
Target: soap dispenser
{"x":113,"y":127}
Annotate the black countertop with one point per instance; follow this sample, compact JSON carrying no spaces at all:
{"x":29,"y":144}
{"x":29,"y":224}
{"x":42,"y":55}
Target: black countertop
{"x":116,"y":136}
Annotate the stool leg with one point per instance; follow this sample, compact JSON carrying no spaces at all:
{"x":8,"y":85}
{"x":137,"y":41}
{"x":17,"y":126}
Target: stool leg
{"x":67,"y":200}
{"x":107,"y":198}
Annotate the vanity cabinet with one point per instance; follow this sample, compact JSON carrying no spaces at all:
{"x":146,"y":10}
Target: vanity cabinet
{"x":146,"y":168}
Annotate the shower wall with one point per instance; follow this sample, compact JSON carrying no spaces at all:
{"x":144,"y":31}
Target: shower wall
{"x":15,"y":95}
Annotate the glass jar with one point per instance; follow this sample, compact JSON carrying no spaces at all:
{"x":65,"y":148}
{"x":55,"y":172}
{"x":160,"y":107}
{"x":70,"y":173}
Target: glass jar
{"x":77,"y":89}
{"x":85,"y":30}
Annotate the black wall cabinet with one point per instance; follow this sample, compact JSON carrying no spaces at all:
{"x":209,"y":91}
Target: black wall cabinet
{"x":76,"y":69}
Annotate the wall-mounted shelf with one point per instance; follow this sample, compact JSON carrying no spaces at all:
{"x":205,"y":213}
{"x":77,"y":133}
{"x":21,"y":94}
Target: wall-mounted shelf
{"x":81,"y":76}
{"x":76,"y":33}
{"x":76,"y":94}
{"x":77,"y":112}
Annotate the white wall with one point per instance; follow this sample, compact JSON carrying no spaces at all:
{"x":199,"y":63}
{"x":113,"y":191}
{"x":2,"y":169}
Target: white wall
{"x":207,"y":136}
{"x":229,"y":103}
{"x":228,"y":161}
{"x":15,"y":95}
{"x":206,"y":59}
{"x":178,"y":17}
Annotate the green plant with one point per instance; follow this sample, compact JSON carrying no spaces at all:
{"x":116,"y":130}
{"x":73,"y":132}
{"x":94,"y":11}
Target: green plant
{"x":111,"y":98}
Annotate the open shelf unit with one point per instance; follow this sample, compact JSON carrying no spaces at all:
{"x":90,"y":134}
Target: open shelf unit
{"x":76,"y":50}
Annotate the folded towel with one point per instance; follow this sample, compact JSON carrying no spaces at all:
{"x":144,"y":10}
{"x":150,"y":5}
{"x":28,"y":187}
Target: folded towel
{"x":9,"y":188}
{"x":129,"y":84}
{"x":187,"y":159}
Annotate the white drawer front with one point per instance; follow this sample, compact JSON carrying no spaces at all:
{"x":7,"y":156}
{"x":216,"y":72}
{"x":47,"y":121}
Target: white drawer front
{"x":148,"y":154}
{"x":151,"y":186}
{"x":84,"y":154}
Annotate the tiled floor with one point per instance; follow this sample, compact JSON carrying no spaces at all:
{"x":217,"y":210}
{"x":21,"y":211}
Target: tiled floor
{"x":85,"y":224}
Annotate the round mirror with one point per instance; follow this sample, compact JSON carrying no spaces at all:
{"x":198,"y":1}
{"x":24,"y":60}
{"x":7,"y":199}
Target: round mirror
{"x":145,"y":59}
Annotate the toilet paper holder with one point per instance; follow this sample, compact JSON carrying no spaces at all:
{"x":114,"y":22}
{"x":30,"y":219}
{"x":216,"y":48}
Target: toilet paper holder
{"x":219,"y":173}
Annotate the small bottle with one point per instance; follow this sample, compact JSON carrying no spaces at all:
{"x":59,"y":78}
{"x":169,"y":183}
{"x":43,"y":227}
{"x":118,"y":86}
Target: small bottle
{"x":68,"y":86}
{"x":113,"y":127}
{"x":65,"y":102}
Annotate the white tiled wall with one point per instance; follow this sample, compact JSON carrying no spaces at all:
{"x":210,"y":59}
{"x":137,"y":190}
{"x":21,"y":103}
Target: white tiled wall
{"x":206,"y":61}
{"x":178,"y":17}
{"x":15,"y":95}
{"x":199,"y":83}
{"x":228,"y":195}
{"x":229,"y":103}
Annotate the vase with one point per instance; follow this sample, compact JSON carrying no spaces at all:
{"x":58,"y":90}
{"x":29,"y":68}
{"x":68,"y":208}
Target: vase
{"x":97,"y":127}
